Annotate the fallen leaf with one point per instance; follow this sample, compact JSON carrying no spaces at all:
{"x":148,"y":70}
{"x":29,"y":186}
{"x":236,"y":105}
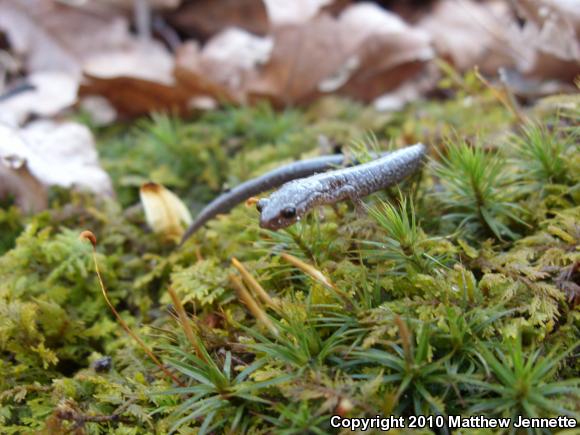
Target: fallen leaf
{"x":99,"y":109}
{"x":233,"y":53}
{"x":205,"y":18}
{"x":133,"y":97}
{"x":52,"y":154}
{"x":16,"y":181}
{"x":363,"y":53}
{"x":408,"y":91}
{"x":166,"y":214}
{"x":552,"y":33}
{"x":52,"y":92}
{"x":389,"y":52}
{"x":50,"y":35}
{"x":302,"y":56}
{"x":136,"y":81}
{"x":468,"y":33}
{"x":189,"y":72}
{"x":221,"y":70}
{"x":283,"y":12}
{"x":130,"y":4}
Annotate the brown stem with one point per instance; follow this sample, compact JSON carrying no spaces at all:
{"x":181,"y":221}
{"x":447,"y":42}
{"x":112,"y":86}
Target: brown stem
{"x":87,"y":235}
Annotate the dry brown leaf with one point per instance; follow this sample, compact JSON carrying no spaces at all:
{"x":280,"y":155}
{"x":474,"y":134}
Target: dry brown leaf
{"x":469,"y":33}
{"x":552,"y":34}
{"x":204,"y":18}
{"x":389,"y":52}
{"x":16,"y":181}
{"x":302,"y":56}
{"x":46,"y":154}
{"x":133,"y":97}
{"x":130,"y":4}
{"x":363,"y":53}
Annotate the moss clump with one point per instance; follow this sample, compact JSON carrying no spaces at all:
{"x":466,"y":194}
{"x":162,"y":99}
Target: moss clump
{"x":457,"y":294}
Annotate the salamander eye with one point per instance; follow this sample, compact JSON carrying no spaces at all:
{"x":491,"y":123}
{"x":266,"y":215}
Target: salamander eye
{"x":288,"y":212}
{"x":260,"y":205}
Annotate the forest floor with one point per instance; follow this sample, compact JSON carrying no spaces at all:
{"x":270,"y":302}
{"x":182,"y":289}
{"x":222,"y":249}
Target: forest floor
{"x":456,"y":294}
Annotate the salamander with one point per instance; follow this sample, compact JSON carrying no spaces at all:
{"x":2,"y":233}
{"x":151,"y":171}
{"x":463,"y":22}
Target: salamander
{"x":289,"y":203}
{"x":389,"y":168}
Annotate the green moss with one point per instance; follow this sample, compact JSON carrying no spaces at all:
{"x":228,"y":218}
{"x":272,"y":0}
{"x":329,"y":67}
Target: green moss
{"x":461,"y":283}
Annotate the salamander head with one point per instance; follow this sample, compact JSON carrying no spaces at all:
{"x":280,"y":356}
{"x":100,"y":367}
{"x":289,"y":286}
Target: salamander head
{"x":280,"y":210}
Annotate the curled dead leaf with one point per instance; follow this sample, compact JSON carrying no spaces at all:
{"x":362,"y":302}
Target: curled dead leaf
{"x":205,"y":18}
{"x":50,"y":93}
{"x":166,"y":214}
{"x":222,"y":68}
{"x":552,"y":35}
{"x":136,"y":81}
{"x":363,"y":53}
{"x":470,"y":33}
{"x":133,"y":97}
{"x":45,"y":154}
{"x":54,"y":36}
{"x":18,"y":183}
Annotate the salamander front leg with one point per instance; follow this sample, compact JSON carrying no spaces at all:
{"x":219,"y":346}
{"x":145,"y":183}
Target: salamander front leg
{"x":359,"y":206}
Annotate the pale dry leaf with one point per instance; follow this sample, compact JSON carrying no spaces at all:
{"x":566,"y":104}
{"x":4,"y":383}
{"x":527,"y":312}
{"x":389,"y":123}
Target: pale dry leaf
{"x":53,"y":92}
{"x":56,"y":154}
{"x":232,"y":55}
{"x":93,"y":41}
{"x":389,"y":51}
{"x":366,"y":19}
{"x":283,"y":12}
{"x":360,"y":22}
{"x":228,"y":59}
{"x":189,"y":73}
{"x":469,"y":33}
{"x":99,"y":109}
{"x":136,"y":81}
{"x":552,"y":35}
{"x":166,"y":214}
{"x":50,"y":35}
{"x":145,"y":61}
{"x":237,"y":49}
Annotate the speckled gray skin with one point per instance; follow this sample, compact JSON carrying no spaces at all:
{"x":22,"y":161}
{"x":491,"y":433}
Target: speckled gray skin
{"x":275,"y":178}
{"x":289,"y":203}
